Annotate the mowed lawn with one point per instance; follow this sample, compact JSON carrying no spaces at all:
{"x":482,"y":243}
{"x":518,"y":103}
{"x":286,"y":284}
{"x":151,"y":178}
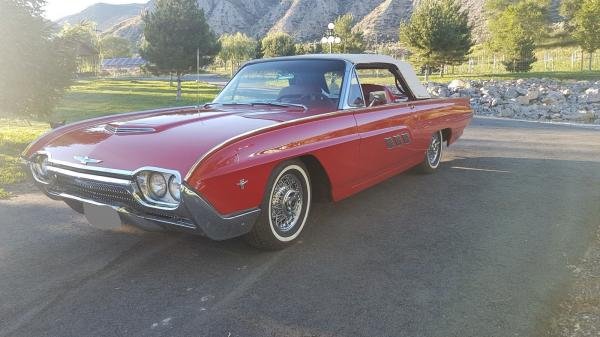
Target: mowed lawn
{"x":88,"y":99}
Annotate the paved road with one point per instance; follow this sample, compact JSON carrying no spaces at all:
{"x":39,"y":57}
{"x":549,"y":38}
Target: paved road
{"x":482,"y":248}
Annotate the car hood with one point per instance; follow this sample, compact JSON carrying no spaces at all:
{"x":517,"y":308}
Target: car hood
{"x":173,"y":139}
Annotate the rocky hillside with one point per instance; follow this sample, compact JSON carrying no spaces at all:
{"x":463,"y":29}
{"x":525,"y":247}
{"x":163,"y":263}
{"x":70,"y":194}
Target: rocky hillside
{"x":304,"y":19}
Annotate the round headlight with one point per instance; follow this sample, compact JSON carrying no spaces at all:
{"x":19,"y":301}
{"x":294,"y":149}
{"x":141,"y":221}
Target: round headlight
{"x":41,"y":166}
{"x":158,"y":185}
{"x":174,"y":188}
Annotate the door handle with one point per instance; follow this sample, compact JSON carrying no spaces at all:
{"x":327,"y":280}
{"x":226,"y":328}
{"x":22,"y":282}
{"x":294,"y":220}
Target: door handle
{"x":412,"y":106}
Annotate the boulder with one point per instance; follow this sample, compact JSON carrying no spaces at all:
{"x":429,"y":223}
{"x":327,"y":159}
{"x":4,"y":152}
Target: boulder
{"x":511,"y":92}
{"x":591,"y":95}
{"x":457,"y":84}
{"x":523,"y":100}
{"x":553,"y":97}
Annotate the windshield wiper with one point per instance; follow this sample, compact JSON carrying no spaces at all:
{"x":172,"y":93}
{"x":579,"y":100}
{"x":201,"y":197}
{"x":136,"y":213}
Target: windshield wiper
{"x":280,"y":104}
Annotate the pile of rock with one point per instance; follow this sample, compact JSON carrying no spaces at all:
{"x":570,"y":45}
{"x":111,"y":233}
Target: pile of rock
{"x":538,"y":99}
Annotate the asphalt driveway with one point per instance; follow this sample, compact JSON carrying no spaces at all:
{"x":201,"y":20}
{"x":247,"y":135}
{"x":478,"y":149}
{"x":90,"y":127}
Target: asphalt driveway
{"x":481,"y":248}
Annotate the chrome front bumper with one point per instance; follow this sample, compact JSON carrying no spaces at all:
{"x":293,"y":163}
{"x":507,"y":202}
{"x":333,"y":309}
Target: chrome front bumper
{"x":76,"y":186}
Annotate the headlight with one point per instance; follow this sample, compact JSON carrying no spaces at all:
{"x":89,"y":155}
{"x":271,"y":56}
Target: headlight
{"x":159,"y":188}
{"x":158,"y":185}
{"x":39,"y":168}
{"x":174,"y":188}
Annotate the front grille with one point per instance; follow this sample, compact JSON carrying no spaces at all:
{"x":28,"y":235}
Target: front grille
{"x":106,"y":193}
{"x":96,"y":191}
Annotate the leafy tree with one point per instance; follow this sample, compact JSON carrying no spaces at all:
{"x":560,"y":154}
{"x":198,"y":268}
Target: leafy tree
{"x":352,"y":42}
{"x":236,"y":48}
{"x":36,"y":64}
{"x":83,"y":39}
{"x":567,"y":10}
{"x":438,"y":33}
{"x":532,"y":14}
{"x":278,"y":44}
{"x":174,"y":31}
{"x":308,"y":48}
{"x":586,"y":23}
{"x":114,"y":46}
{"x":511,"y":35}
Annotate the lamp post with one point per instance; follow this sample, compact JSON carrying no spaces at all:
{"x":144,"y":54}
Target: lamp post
{"x":330,"y":36}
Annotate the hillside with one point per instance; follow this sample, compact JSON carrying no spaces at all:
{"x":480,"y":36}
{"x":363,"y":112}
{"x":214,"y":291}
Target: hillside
{"x":304,"y":19}
{"x":105,"y":15}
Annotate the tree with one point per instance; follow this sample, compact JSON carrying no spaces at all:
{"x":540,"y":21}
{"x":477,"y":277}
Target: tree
{"x":511,"y":35}
{"x":567,"y":10}
{"x":278,"y":44}
{"x":438,"y":33}
{"x":586,"y":23}
{"x":236,"y":48}
{"x":535,"y":14}
{"x":308,"y":48}
{"x":83,"y":39}
{"x":174,"y":32}
{"x":37,"y":66}
{"x":114,"y":46}
{"x":351,"y":42}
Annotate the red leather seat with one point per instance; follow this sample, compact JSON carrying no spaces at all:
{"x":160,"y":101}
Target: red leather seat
{"x":369,"y":88}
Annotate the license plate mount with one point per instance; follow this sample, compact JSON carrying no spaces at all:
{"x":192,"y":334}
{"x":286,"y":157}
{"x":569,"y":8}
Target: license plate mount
{"x":102,"y":217}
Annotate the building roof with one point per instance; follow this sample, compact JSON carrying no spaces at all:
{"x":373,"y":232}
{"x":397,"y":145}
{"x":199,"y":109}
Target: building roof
{"x":405,"y":68}
{"x":123,"y":62}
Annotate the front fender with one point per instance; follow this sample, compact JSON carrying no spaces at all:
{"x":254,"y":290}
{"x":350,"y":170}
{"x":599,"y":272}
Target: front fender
{"x":332,"y":140}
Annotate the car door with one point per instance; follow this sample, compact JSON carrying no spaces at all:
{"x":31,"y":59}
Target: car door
{"x":386,"y":134}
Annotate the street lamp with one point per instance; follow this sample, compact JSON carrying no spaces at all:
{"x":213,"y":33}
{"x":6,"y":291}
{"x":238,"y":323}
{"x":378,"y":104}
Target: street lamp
{"x":330,"y":37}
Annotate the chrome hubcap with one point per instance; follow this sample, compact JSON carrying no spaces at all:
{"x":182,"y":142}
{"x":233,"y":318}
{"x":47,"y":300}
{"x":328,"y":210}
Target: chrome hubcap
{"x":286,"y":202}
{"x":434,"y":150}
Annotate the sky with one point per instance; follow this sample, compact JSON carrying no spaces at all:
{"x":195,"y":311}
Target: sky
{"x":56,"y":9}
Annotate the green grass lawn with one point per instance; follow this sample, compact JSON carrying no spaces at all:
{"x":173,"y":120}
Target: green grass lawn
{"x":87,"y":99}
{"x":94,"y":98}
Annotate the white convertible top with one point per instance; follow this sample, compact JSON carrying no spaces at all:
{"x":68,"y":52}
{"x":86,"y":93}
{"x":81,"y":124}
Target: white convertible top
{"x":406,"y":69}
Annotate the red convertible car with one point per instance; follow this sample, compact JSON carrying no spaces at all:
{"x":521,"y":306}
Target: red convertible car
{"x":282,"y":133}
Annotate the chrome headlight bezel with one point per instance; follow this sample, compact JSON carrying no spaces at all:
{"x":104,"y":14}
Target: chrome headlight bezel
{"x":39,"y":168}
{"x":165,"y":199}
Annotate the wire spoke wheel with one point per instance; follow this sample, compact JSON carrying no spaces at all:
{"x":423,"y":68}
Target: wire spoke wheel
{"x":435,"y":149}
{"x":285,"y":207}
{"x":286,"y":202}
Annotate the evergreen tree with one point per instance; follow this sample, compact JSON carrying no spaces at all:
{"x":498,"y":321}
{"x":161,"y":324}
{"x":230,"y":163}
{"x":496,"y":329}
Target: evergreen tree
{"x":174,"y":31}
{"x":351,"y":42}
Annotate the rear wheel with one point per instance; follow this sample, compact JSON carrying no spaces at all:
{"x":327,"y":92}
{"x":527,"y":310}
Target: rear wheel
{"x":285,"y":208}
{"x":433,"y":155}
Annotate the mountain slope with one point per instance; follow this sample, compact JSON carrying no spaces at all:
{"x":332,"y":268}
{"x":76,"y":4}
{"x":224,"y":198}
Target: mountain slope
{"x":105,"y":15}
{"x":305,"y":20}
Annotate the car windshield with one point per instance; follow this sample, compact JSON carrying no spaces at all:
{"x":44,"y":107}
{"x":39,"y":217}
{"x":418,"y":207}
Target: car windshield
{"x":312,"y":84}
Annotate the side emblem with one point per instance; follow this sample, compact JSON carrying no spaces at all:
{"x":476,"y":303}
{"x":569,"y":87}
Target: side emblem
{"x":87,"y":160}
{"x":397,"y":140}
{"x":242,"y":183}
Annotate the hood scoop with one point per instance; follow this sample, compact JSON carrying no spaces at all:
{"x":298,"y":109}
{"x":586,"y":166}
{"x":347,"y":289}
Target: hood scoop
{"x":122,"y":129}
